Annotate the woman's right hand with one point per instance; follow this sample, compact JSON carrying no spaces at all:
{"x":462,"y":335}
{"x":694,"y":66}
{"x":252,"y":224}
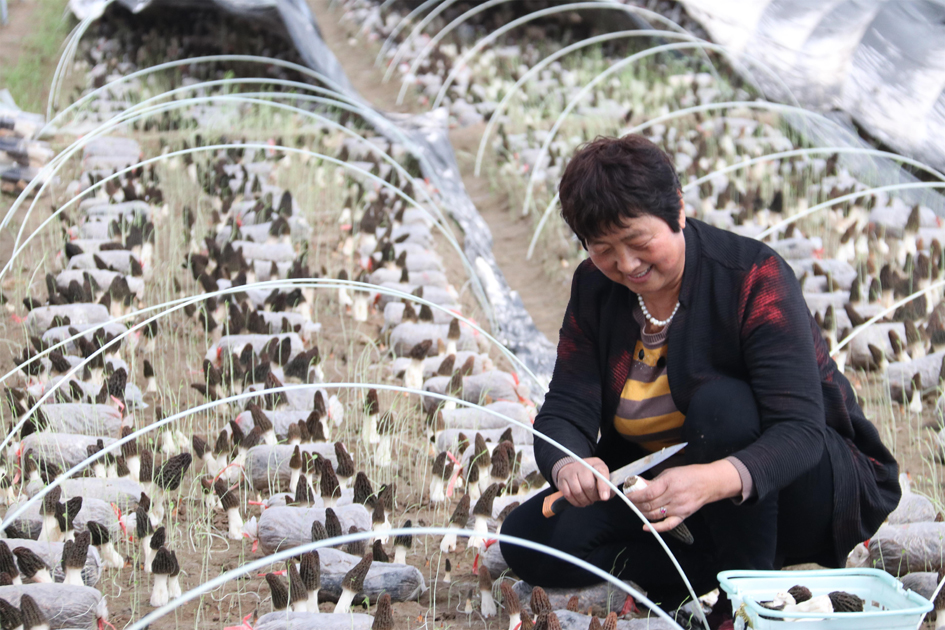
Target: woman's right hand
{"x":580,"y":486}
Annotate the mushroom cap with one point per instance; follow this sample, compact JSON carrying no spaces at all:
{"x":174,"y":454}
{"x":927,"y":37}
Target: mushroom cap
{"x":51,"y":501}
{"x":800,"y":593}
{"x":453,"y":331}
{"x":419,"y":351}
{"x":251,"y":439}
{"x":386,"y":496}
{"x":163,"y":562}
{"x":315,"y":428}
{"x":525,"y":621}
{"x":332,"y":524}
{"x":371,"y":405}
{"x":319,"y":531}
{"x":481,"y":455}
{"x":32,"y":615}
{"x":158,"y":538}
{"x":845,"y":602}
{"x":384,"y":614}
{"x":461,"y":513}
{"x":319,"y":404}
{"x":5,"y":579}
{"x":510,"y":599}
{"x":280,"y":592}
{"x":297,"y":590}
{"x":404,"y":540}
{"x":594,"y":624}
{"x":484,"y":504}
{"x":506,"y":511}
{"x":354,"y":579}
{"x":446,"y":366}
{"x":172,"y":472}
{"x":29,"y":561}
{"x":485,"y":579}
{"x":385,"y":424}
{"x":7,"y":561}
{"x":610,"y":623}
{"x":99,"y":533}
{"x":144,"y":501}
{"x":199,"y":446}
{"x":72,"y":508}
{"x":303,"y":494}
{"x":574,"y":603}
{"x":74,"y":556}
{"x":439,"y":465}
{"x":310,"y":570}
{"x":355,"y":547}
{"x":175,"y":568}
{"x":295,"y":462}
{"x":363,"y":492}
{"x":295,"y":433}
{"x":146,"y":467}
{"x":377,"y":515}
{"x":142,"y":523}
{"x":378,"y":553}
{"x":449,"y":566}
{"x":122,"y":466}
{"x":260,"y":419}
{"x":328,"y":484}
{"x":539,"y":601}
{"x":500,"y":464}
{"x":345,"y":466}
{"x":10,"y":617}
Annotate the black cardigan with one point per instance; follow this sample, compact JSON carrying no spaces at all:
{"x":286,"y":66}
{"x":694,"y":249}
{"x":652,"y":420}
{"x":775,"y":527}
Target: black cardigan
{"x":741,"y":315}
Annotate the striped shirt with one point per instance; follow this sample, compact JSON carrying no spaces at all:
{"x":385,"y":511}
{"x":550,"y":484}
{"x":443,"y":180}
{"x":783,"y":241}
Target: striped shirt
{"x":646,"y":414}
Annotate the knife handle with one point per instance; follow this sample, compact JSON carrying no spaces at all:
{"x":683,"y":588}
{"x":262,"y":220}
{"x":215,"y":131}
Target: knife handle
{"x":554,"y":504}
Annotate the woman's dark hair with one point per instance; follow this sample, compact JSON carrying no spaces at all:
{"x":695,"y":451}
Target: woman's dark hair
{"x":610,"y":180}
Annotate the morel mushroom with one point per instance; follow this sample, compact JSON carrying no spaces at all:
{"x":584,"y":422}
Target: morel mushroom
{"x":311,"y":573}
{"x":402,"y":543}
{"x":352,"y":583}
{"x":483,"y":512}
{"x":32,"y":566}
{"x":74,"y":554}
{"x":161,"y":567}
{"x":230,"y":501}
{"x":487,"y":602}
{"x":457,"y":521}
{"x":511,"y":602}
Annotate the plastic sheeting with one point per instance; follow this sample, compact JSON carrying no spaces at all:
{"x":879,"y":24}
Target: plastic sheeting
{"x":880,"y":62}
{"x":427,"y":138}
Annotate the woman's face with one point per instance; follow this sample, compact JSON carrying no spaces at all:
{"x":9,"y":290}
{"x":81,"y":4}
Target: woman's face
{"x":644,"y":255}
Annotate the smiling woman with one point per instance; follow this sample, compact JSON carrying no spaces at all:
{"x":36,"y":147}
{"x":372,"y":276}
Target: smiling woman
{"x":680,"y":332}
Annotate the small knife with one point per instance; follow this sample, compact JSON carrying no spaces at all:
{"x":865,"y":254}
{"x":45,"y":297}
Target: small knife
{"x":555,"y":503}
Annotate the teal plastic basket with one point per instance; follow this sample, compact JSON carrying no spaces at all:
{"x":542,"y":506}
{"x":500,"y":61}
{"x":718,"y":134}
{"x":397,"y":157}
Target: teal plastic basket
{"x":888,"y":605}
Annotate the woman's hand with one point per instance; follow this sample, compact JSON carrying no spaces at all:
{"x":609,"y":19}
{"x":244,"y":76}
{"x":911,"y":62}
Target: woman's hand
{"x":677,"y":493}
{"x":580,"y":486}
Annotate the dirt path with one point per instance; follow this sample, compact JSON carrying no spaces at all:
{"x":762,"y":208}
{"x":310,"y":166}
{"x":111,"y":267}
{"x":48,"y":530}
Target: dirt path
{"x":544,"y":301}
{"x":12,"y":35}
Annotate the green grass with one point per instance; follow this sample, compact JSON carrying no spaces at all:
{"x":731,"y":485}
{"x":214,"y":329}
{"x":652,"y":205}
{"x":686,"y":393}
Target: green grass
{"x":28,"y":79}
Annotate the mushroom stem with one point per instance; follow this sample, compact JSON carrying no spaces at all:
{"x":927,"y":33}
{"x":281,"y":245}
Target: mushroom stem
{"x":313,"y":601}
{"x":50,"y":531}
{"x":482,"y":530}
{"x":437,"y":490}
{"x":344,"y":602}
{"x":173,"y":586}
{"x":147,"y":552}
{"x":359,"y":310}
{"x":383,"y":452}
{"x":400,"y":554}
{"x":73,"y":576}
{"x":369,"y":429}
{"x":235,"y":523}
{"x":294,"y":475}
{"x":413,"y":375}
{"x":210,"y":464}
{"x":448,"y":543}
{"x":98,"y":469}
{"x":110,"y":557}
{"x":43,"y":576}
{"x":159,"y":594}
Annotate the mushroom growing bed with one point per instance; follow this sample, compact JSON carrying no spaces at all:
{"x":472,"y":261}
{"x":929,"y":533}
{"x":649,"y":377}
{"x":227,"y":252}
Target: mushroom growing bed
{"x":259,"y":291}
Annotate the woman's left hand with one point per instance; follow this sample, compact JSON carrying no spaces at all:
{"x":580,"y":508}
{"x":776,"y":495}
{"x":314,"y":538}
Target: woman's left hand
{"x":677,"y":493}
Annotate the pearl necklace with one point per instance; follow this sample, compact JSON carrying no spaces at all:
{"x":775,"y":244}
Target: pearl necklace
{"x":656,"y":322}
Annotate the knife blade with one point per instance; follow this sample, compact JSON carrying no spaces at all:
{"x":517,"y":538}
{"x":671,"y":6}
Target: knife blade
{"x":555,"y":503}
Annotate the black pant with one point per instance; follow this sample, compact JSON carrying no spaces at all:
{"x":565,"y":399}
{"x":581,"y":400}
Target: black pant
{"x":792,"y":526}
